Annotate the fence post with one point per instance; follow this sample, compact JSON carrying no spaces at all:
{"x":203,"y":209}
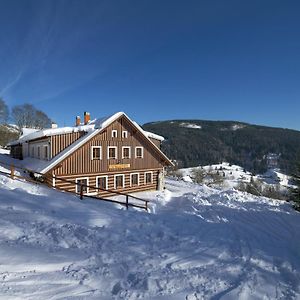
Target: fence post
{"x":12,"y":172}
{"x":146,"y":205}
{"x":126,"y":201}
{"x":81,"y":192}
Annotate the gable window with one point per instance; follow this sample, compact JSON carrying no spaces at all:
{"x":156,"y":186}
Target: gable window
{"x":114,"y":133}
{"x":119,"y":181}
{"x":96,"y":152}
{"x":82,"y":182}
{"x":125,"y":152}
{"x":112,"y":152}
{"x":139,"y":152}
{"x":148,"y":177}
{"x":124,"y":134}
{"x":101,"y":182}
{"x":134,"y":179}
{"x":46,"y":152}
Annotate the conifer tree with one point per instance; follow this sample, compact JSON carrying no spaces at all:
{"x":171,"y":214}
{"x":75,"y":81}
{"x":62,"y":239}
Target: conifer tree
{"x":296,"y":192}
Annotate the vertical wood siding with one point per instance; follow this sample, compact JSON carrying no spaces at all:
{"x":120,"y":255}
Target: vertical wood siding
{"x":80,"y":162}
{"x":62,"y":141}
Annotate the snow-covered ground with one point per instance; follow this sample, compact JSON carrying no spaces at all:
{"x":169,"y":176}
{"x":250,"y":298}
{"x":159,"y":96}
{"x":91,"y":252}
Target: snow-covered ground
{"x":233,"y":175}
{"x":195,"y":243}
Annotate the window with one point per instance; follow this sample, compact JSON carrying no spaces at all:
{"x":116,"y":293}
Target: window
{"x":124,"y":134}
{"x":112,"y":152}
{"x":148,"y":177}
{"x":84,"y":183}
{"x":125,"y":152}
{"x":114,"y":133}
{"x":39,"y":151}
{"x":46,"y":152}
{"x":139,"y":152}
{"x":101,"y":182}
{"x":96,"y":152}
{"x":119,"y":181}
{"x":134,"y":179}
{"x":32,"y":151}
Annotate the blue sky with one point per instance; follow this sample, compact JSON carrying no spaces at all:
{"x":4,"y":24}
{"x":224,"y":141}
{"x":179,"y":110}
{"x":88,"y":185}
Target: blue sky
{"x":155,"y":60}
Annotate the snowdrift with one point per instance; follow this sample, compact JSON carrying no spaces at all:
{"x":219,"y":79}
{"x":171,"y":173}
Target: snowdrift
{"x":196,"y":243}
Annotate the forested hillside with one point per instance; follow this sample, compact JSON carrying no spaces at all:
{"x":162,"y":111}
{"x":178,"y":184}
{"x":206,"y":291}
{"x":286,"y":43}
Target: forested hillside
{"x":196,"y":142}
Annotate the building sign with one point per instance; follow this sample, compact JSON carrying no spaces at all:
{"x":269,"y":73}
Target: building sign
{"x":119,"y":166}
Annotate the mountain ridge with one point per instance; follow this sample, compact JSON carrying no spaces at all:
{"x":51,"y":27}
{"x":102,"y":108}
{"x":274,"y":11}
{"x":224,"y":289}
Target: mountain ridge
{"x":193,"y":142}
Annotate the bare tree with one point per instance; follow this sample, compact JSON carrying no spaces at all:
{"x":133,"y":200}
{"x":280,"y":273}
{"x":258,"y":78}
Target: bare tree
{"x":198,"y":175}
{"x":27,"y":115}
{"x":4,"y":112}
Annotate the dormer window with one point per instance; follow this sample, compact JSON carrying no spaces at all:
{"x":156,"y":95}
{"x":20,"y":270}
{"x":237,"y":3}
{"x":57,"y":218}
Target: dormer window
{"x":114,"y":133}
{"x":124,"y":134}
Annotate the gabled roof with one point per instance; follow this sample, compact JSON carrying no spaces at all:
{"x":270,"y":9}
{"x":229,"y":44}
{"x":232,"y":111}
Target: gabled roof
{"x":92,"y":128}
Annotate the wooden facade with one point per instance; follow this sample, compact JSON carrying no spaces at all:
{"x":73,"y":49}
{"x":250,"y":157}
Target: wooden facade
{"x":119,"y":157}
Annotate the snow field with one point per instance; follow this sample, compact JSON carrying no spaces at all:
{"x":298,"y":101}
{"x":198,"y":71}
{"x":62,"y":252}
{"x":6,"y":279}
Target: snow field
{"x":196,"y":243}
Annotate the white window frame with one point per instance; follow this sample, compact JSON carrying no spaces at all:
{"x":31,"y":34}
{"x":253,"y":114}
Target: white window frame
{"x":124,"y":134}
{"x":46,"y":147}
{"x":109,"y":147}
{"x":92,"y":152}
{"x":145,"y":176}
{"x":131,"y":174}
{"x":123,"y":147}
{"x":77,"y":186}
{"x":114,"y":131}
{"x":102,"y":176}
{"x":139,"y":147}
{"x":115,"y":176}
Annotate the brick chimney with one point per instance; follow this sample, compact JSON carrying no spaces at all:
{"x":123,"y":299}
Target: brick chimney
{"x":87,"y":117}
{"x":77,"y":121}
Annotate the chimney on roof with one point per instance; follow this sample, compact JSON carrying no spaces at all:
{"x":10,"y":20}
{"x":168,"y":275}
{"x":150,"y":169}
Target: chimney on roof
{"x":77,"y":121}
{"x":53,"y":125}
{"x":87,"y":117}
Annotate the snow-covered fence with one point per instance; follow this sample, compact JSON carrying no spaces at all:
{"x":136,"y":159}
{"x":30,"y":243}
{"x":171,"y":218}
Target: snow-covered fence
{"x":138,"y":202}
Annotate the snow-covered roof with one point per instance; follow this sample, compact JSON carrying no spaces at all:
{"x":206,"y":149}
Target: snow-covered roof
{"x":92,"y":128}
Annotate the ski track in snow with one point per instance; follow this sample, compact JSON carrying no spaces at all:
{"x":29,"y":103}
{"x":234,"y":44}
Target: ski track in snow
{"x":197,"y":243}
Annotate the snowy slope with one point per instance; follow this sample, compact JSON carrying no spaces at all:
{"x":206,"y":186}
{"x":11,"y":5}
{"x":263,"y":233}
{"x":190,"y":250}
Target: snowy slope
{"x":233,"y":175}
{"x":196,"y":243}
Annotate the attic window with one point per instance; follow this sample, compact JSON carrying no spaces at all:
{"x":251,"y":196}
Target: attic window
{"x":96,"y":152}
{"x":139,"y":152}
{"x":124,"y":134}
{"x":112,"y":152}
{"x":114,"y":133}
{"x":125,"y":152}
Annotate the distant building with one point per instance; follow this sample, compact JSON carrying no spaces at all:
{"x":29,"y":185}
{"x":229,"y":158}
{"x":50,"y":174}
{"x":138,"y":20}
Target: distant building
{"x":272,"y":160}
{"x":113,"y":153}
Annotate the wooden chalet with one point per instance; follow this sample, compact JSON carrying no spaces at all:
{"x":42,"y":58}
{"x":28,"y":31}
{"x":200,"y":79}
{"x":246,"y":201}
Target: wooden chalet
{"x":112,"y":153}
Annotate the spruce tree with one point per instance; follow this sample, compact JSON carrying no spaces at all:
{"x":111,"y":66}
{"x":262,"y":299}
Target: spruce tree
{"x":296,"y":192}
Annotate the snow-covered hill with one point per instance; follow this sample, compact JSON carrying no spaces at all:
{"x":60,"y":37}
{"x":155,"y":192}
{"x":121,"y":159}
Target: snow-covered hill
{"x":195,"y":243}
{"x":233,"y":175}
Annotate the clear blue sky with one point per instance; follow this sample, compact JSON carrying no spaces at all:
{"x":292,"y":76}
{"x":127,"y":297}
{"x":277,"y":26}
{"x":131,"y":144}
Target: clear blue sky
{"x":155,"y":60}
